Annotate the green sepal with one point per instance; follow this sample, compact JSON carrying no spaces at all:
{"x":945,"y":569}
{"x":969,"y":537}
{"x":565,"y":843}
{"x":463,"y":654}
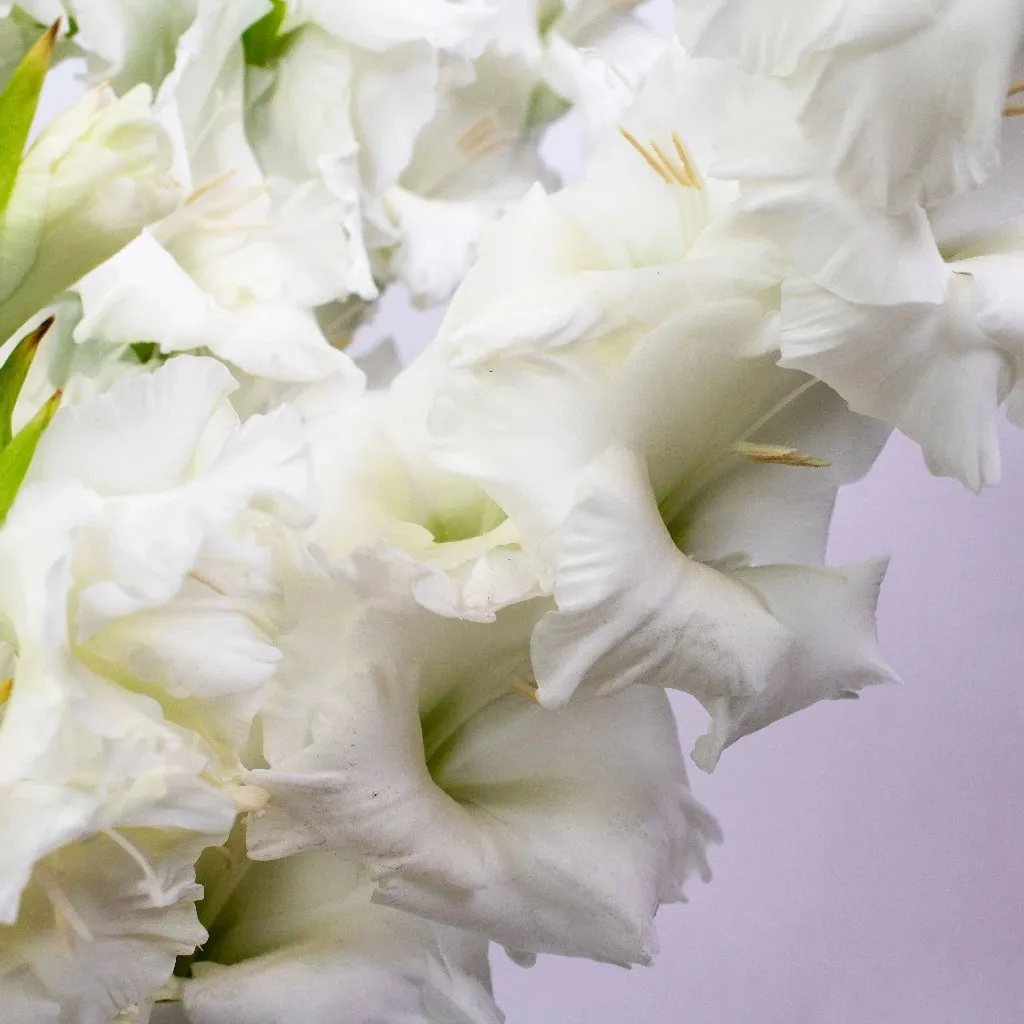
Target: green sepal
{"x":12,"y":377}
{"x":543,"y":107}
{"x":18,"y":103}
{"x":262,"y":41}
{"x":17,"y":456}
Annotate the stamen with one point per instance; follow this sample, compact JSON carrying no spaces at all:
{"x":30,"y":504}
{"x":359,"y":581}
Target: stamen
{"x":778,"y":454}
{"x":652,"y":161}
{"x":498,"y":142}
{"x":6,"y":685}
{"x":684,"y":156}
{"x":148,"y":874}
{"x":209,"y":186}
{"x":1016,"y":89}
{"x":66,"y":919}
{"x":472,"y":137}
{"x":200,"y":578}
{"x":1013,"y":110}
{"x":525,"y":688}
{"x":679,"y":178}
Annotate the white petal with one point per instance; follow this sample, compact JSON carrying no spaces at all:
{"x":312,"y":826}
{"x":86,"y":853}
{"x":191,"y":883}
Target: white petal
{"x":591,"y":816}
{"x":832,"y":614}
{"x":633,"y":608}
{"x":456,"y":791}
{"x":203,"y":658}
{"x":363,"y":789}
{"x":834,"y":239}
{"x":99,"y":932}
{"x":382,"y":24}
{"x":438,"y":241}
{"x":698,"y":383}
{"x":303,"y":932}
{"x":130,"y":43}
{"x":395,"y":98}
{"x":146,"y":544}
{"x":527,"y":453}
{"x":140,"y":436}
{"x":306,"y":114}
{"x":872,"y":78}
{"x":926,"y":369}
{"x":775,"y":35}
{"x":895,"y":133}
{"x":771,"y":513}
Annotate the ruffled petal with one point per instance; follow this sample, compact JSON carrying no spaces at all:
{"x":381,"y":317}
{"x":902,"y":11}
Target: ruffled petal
{"x":633,"y":608}
{"x":303,"y":931}
{"x":140,"y":436}
{"x":927,"y":369}
{"x":590,"y":815}
{"x":831,"y":613}
{"x":103,"y":922}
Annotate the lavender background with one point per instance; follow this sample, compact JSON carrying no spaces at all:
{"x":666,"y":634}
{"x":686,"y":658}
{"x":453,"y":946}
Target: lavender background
{"x":873,"y":865}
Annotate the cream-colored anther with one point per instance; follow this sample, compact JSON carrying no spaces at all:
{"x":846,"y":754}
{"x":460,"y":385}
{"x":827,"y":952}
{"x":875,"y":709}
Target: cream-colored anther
{"x":673,"y":170}
{"x":526,"y":688}
{"x":778,"y":454}
{"x":1014,"y":109}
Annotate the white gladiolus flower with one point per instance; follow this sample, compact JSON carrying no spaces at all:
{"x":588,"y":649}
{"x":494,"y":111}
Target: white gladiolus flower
{"x":480,"y":152}
{"x":938,"y":371}
{"x":138,"y":601}
{"x":89,"y":183}
{"x":172,"y":572}
{"x":313,"y":683}
{"x":100,"y":927}
{"x":853,"y":153}
{"x":376,"y":486}
{"x":123,"y":41}
{"x":413,"y":742}
{"x":609,"y":388}
{"x":238,"y":269}
{"x":871,"y":84}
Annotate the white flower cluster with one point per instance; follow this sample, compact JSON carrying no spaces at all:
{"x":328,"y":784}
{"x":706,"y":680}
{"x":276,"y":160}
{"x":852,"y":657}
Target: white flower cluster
{"x":316,"y":679}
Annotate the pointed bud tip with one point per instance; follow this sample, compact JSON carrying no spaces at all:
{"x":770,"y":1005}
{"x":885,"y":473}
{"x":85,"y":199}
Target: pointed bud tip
{"x":35,"y":339}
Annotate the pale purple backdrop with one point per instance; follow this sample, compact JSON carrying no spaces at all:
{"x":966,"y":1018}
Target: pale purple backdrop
{"x":873,"y":865}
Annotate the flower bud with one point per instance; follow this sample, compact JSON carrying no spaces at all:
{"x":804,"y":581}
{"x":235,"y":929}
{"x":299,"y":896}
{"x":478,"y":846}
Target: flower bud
{"x":93,"y":179}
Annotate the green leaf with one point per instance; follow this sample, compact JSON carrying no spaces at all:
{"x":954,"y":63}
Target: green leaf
{"x":262,"y":41}
{"x":13,"y":374}
{"x":17,"y":456}
{"x":18,"y":104}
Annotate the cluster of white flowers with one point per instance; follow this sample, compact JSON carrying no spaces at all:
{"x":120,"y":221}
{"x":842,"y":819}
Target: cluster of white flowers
{"x":316,"y":678}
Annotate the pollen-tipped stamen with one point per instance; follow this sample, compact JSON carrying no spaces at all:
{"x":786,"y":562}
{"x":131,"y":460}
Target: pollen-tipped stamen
{"x":651,"y":160}
{"x":778,"y":454}
{"x":684,"y":155}
{"x":526,"y":688}
{"x":678,"y":176}
{"x":209,"y":186}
